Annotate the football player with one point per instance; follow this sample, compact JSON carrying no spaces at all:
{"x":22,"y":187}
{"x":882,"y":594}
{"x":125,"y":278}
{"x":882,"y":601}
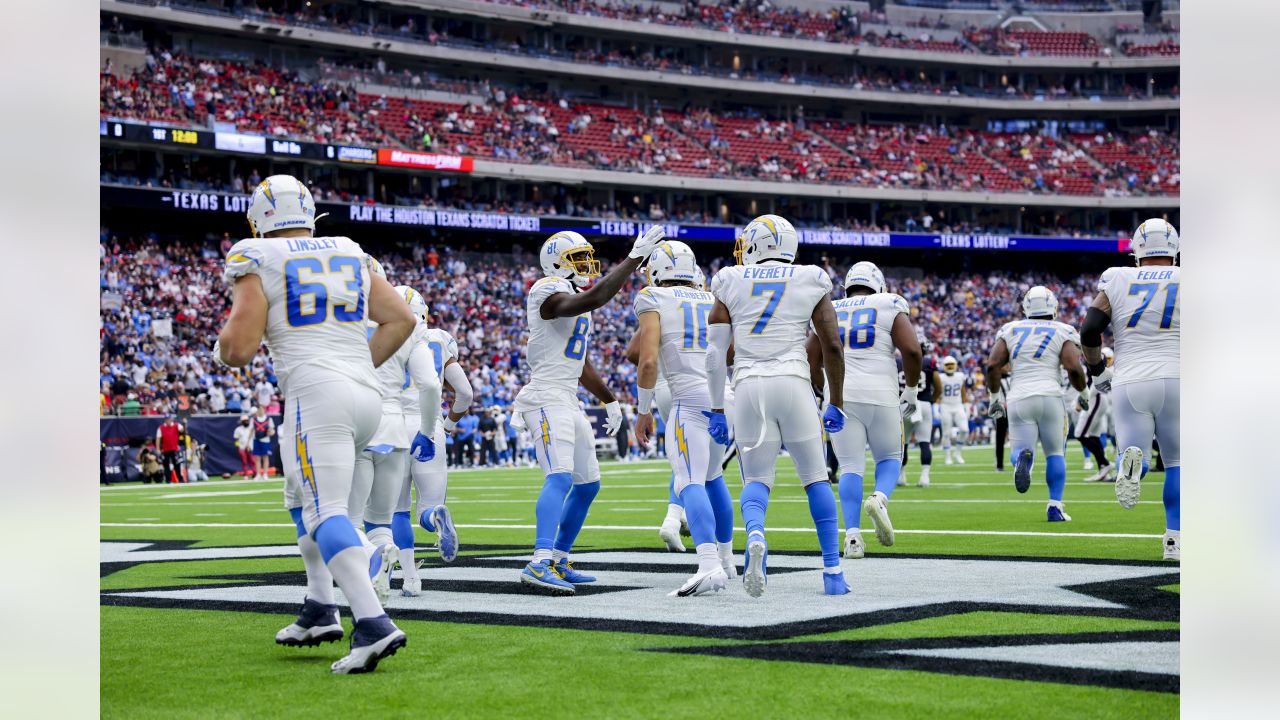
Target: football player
{"x":919,"y":427}
{"x":672,"y":337}
{"x":1140,"y":305}
{"x":309,"y":298}
{"x":952,"y":394}
{"x":1036,"y":347}
{"x":430,"y":479}
{"x":1091,"y":425}
{"x":559,"y":316}
{"x":763,"y":306}
{"x":872,"y":324}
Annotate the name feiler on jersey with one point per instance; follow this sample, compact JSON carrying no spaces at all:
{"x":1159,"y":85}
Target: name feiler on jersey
{"x":771,"y":305}
{"x":1035,"y":350}
{"x":1145,"y":321}
{"x":317,"y":294}
{"x":865,"y":323}
{"x":682,"y":312}
{"x":556,"y":351}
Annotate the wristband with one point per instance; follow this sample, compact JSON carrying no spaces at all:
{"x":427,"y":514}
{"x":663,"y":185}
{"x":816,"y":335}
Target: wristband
{"x":645,"y":400}
{"x":1096,"y":369}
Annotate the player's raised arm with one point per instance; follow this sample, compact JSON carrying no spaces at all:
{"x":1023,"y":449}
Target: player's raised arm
{"x":240,"y":337}
{"x":824,"y":326}
{"x":645,"y":344}
{"x":571,"y":304}
{"x":395,"y":320}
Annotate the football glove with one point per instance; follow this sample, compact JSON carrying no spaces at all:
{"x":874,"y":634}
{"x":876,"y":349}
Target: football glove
{"x":717,"y":427}
{"x":423,"y":448}
{"x":909,"y":401}
{"x":613,"y":418}
{"x":997,"y":408}
{"x":646,"y":241}
{"x":1086,"y":395}
{"x":833,"y":419}
{"x":1102,"y":382}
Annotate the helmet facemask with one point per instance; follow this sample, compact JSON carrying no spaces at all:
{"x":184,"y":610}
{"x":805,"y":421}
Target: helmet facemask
{"x":582,"y":261}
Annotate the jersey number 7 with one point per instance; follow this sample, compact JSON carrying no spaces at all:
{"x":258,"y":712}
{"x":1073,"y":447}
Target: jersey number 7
{"x":775,"y":291}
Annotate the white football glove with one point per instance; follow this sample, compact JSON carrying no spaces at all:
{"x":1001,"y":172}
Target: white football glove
{"x":1102,"y":382}
{"x":217,"y":354}
{"x":1084,"y":398}
{"x":909,"y":402}
{"x":613,"y":418}
{"x":450,"y":425}
{"x":646,"y":241}
{"x":996,"y":409}
{"x":517,"y":421}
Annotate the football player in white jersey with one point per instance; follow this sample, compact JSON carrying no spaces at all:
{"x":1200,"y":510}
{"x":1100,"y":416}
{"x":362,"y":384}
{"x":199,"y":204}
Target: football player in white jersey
{"x":873,"y":325}
{"x":381,"y":468}
{"x":559,"y":316}
{"x":764,"y":307}
{"x":672,"y":337}
{"x":1140,"y":305}
{"x":429,"y":480}
{"x":1036,"y":348}
{"x":309,"y":298}
{"x":952,"y":395}
{"x":1091,"y":426}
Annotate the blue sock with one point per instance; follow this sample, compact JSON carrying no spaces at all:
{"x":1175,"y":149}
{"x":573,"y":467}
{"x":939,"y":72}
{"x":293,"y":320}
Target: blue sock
{"x":697,"y":508}
{"x":1055,"y":475}
{"x":672,"y":497}
{"x":722,"y":506}
{"x":549,"y":508}
{"x":402,"y":530}
{"x":851,"y":499}
{"x":424,"y":519}
{"x":1173,"y":498}
{"x":574,"y":514}
{"x":335,"y":535}
{"x":1145,"y":466}
{"x":1103,"y":439}
{"x":822,"y":507}
{"x":887,"y":472}
{"x":296,"y":514}
{"x":755,"y":501}
{"x":370,"y":527}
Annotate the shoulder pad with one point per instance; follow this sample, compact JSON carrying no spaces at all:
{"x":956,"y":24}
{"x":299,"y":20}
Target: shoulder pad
{"x":244,"y":258}
{"x":646,"y":301}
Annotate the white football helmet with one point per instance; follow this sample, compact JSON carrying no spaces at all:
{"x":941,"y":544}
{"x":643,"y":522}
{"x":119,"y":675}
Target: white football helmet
{"x":672,"y":260}
{"x":865,"y":274}
{"x":1040,"y":302}
{"x":700,"y":278}
{"x":417,"y":304}
{"x":949,"y":364}
{"x":281,"y":202}
{"x":768,"y":237}
{"x":1109,"y":355}
{"x":1154,"y":238}
{"x":568,"y":255}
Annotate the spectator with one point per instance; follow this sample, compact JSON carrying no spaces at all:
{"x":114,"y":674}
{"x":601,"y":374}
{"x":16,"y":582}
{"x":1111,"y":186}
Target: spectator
{"x":152,"y":472}
{"x":264,"y":428}
{"x":131,"y":407}
{"x":169,"y":438}
{"x":488,"y":443}
{"x":464,"y":440}
{"x":244,"y":446}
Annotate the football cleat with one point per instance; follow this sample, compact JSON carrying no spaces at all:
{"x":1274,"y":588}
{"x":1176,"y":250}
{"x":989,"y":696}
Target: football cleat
{"x":317,"y":623}
{"x":1172,"y":545}
{"x":959,"y":458}
{"x":670,"y":534}
{"x":412,"y":587}
{"x":854,"y":548}
{"x":753,"y":574}
{"x":446,"y":533}
{"x":384,"y":558}
{"x":371,"y":640}
{"x":1056,"y":513}
{"x":1129,"y":478}
{"x":1088,"y":463}
{"x":565,"y":570}
{"x":902,"y":479}
{"x":879,"y":513}
{"x":1022,"y":470}
{"x":923,"y":482}
{"x":710,"y":581}
{"x":834,"y":584}
{"x":948,"y":458}
{"x":684,"y":526}
{"x":542,"y":576}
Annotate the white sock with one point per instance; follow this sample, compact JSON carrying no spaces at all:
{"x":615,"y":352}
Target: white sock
{"x":725,"y":550}
{"x":708,"y":557}
{"x":351,"y":569}
{"x":832,"y":570}
{"x":883,"y":498}
{"x":408,"y":565}
{"x":559,"y":556}
{"x":1173,"y":533}
{"x":319,"y":579}
{"x":674,"y":513}
{"x":924,"y":472}
{"x":369,"y":547}
{"x":380,"y":536}
{"x":540,"y":555}
{"x":850,"y":532}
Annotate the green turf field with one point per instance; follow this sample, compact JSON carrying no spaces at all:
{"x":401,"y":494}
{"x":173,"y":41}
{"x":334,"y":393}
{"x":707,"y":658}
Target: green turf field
{"x":981,"y":609}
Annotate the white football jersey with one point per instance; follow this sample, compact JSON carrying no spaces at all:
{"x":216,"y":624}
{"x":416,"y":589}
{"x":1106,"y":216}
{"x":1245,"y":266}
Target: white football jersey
{"x":443,"y":348}
{"x":317,"y":292}
{"x":865,"y":324}
{"x":395,"y":376}
{"x":952,"y":387}
{"x":556,"y":351}
{"x":682,"y":313}
{"x":1035,"y":352}
{"x":1145,"y":321}
{"x":771,"y":305}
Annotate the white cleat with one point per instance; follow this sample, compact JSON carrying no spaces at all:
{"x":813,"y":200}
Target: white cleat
{"x":879,"y":513}
{"x":382,"y":577}
{"x":948,"y":458}
{"x":670,"y":534}
{"x":1088,"y":463}
{"x":1129,"y":478}
{"x":959,"y":459}
{"x":854,"y":547}
{"x":729,"y":565}
{"x":371,"y":640}
{"x":923,"y":483}
{"x":316,"y":624}
{"x":1172,"y":545}
{"x":412,"y":587}
{"x":754,"y":578}
{"x":711,"y":581}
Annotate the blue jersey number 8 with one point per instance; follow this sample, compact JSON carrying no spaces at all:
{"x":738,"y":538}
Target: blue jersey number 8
{"x":301,"y":293}
{"x":862,"y":328}
{"x":577,"y":345}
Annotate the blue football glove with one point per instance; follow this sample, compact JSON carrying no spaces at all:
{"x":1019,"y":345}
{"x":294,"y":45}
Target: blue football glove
{"x":423,"y":448}
{"x":833,"y":419}
{"x":718,"y":427}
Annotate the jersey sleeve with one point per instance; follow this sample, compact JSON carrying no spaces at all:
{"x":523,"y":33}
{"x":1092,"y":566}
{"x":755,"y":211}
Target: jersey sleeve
{"x":1004,"y":333}
{"x":823,"y":279}
{"x":898,"y":305}
{"x":545,"y":288}
{"x":720,"y":283}
{"x":645,"y":302}
{"x":1109,"y":278}
{"x":450,"y":347}
{"x":1070,"y":334}
{"x":244,"y":258}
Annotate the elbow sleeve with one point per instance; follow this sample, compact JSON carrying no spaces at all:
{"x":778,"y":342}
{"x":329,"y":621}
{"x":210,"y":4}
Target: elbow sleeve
{"x":719,"y":336}
{"x":1095,"y":321}
{"x":462,"y":394}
